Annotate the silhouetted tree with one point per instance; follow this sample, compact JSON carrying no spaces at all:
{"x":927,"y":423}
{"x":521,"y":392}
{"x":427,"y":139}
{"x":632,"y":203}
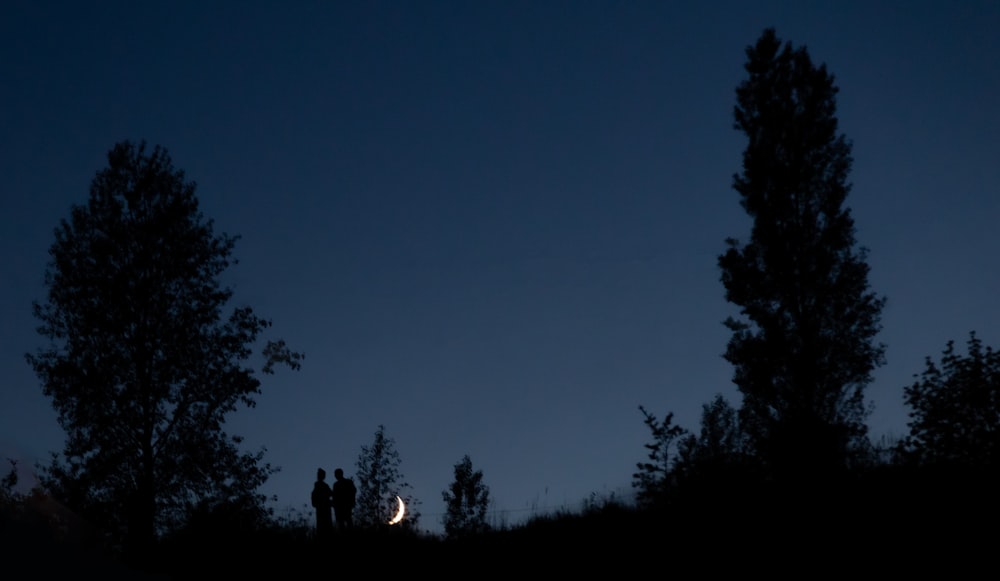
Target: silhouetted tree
{"x":141,"y":366}
{"x":8,"y":484}
{"x":466,"y":502}
{"x":803,"y":348}
{"x":379,"y":482}
{"x":654,"y":479}
{"x":719,"y":446}
{"x":955,"y":409}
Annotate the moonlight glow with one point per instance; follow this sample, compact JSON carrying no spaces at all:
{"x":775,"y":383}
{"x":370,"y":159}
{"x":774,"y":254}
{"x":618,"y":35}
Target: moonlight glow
{"x":399,"y":512}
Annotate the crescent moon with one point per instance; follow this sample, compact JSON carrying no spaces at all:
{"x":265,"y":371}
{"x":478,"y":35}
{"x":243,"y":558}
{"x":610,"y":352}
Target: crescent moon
{"x":399,"y":512}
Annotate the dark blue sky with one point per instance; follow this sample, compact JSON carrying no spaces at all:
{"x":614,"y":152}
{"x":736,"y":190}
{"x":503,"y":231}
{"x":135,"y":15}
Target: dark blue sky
{"x":493,"y":226}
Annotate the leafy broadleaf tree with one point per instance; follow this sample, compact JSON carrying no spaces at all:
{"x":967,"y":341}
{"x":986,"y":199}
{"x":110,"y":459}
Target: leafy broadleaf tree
{"x":467,"y":500}
{"x":379,"y":482}
{"x":142,"y":366}
{"x":654,"y":479}
{"x":955,"y":409}
{"x":803,"y":347}
{"x":719,"y":446}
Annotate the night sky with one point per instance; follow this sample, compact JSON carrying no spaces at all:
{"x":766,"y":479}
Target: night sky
{"x":493,"y":227}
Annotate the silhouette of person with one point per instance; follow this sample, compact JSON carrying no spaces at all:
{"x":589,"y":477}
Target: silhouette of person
{"x":344,"y":495}
{"x":321,"y":496}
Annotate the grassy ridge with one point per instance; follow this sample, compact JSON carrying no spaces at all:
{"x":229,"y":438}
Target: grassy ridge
{"x":892,"y":523}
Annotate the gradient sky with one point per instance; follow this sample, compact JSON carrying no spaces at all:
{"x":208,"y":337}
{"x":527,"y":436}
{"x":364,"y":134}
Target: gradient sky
{"x":492,"y":227}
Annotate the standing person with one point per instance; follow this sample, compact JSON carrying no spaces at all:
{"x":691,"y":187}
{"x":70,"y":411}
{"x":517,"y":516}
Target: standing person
{"x":321,"y":496}
{"x":344,"y":494}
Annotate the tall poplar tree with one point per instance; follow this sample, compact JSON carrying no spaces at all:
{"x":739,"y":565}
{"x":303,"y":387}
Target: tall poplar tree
{"x":803,"y":346}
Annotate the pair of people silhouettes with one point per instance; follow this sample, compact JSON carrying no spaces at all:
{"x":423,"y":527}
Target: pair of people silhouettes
{"x":340,"y":498}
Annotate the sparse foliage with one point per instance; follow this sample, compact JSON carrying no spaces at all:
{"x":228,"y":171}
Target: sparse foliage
{"x":955,"y":408}
{"x":803,"y":348}
{"x":466,"y":502}
{"x":142,"y":366}
{"x":8,"y":485}
{"x":379,"y":481}
{"x":653,"y":479}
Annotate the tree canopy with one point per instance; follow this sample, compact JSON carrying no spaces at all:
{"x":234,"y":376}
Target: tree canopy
{"x":466,"y":501}
{"x":379,"y":482}
{"x":142,"y":365}
{"x":955,"y":408}
{"x":803,"y":346}
{"x":718,"y":448}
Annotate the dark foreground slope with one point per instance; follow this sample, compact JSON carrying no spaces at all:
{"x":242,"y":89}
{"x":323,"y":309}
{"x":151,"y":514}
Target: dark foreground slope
{"x":889,"y":525}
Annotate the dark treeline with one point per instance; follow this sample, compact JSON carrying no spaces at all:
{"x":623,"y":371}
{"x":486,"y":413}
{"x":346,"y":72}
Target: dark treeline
{"x":794,"y":464}
{"x":143,"y":365}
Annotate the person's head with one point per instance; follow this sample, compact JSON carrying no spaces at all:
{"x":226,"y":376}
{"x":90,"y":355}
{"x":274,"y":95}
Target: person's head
{"x":338,"y":473}
{"x":321,"y":474}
